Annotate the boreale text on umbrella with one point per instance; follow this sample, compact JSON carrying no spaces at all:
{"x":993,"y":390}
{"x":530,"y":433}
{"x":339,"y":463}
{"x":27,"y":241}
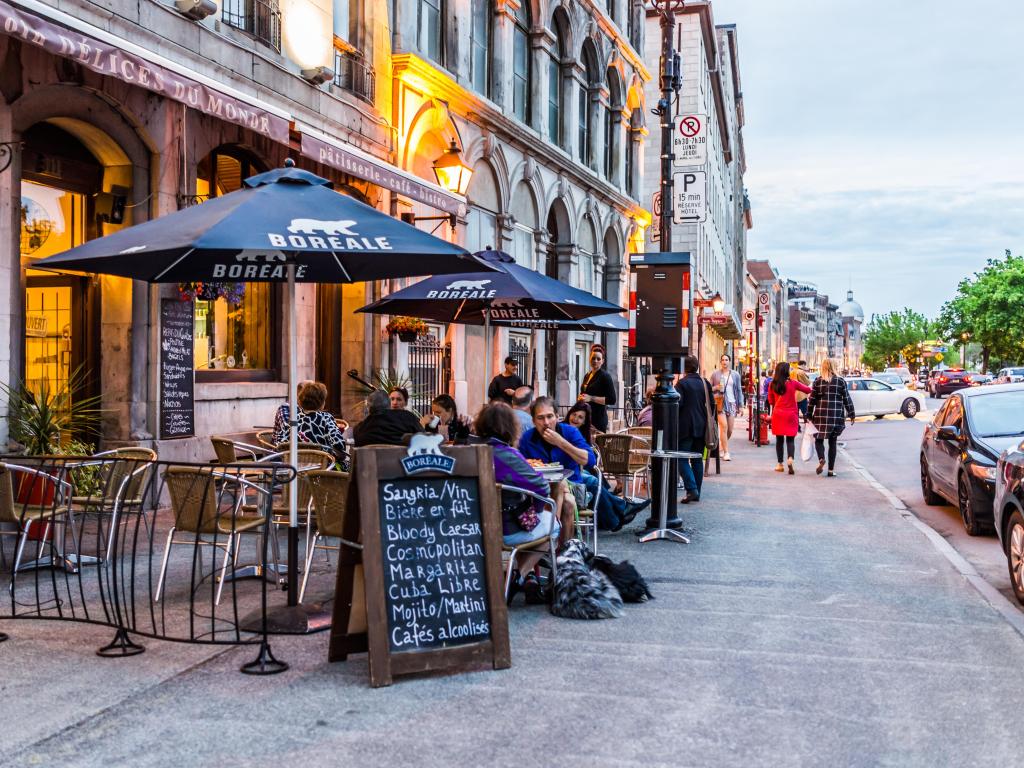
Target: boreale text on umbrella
{"x":330,"y":240}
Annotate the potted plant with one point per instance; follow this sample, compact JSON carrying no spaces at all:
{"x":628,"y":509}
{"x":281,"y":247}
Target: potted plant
{"x":46,"y":423}
{"x":406,"y":328}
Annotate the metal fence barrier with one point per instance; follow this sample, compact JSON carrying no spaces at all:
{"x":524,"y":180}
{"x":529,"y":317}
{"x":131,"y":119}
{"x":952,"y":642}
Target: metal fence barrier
{"x":153,"y":549}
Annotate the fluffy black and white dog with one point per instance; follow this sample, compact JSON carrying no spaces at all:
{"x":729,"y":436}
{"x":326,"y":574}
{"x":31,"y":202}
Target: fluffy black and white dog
{"x":582,"y":593}
{"x":624,"y":577}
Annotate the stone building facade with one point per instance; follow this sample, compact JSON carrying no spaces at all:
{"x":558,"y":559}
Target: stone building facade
{"x":117,"y":113}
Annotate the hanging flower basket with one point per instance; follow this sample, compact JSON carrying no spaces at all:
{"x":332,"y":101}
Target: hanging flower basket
{"x":233,"y":293}
{"x":407,"y":328}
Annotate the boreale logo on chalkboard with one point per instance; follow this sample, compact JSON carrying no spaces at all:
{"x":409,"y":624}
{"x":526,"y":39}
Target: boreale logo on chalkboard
{"x":425,"y":456}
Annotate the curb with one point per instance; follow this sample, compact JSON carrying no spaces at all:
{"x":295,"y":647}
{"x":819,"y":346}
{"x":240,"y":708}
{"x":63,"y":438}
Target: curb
{"x":996,"y":599}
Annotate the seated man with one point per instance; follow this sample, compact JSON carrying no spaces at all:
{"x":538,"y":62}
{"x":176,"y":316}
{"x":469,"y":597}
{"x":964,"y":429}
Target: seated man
{"x":551,"y":442}
{"x":384,"y":425}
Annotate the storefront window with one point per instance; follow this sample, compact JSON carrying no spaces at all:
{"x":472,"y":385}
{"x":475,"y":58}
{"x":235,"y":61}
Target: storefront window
{"x":52,"y":221}
{"x":234,"y":335}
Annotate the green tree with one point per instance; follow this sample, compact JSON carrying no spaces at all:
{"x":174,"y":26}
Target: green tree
{"x":989,"y":309}
{"x":893,"y":337}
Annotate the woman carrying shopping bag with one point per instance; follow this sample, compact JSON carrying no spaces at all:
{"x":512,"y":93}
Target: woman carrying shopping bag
{"x":785,"y":413}
{"x":828,"y":404}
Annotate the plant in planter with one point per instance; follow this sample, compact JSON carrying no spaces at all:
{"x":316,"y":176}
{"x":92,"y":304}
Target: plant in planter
{"x":232,"y":292}
{"x":383,"y":380}
{"x":43,"y":423}
{"x":406,"y":328}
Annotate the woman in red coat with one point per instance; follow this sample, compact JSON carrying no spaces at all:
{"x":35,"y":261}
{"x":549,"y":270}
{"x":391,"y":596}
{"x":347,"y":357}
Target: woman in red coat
{"x":785,"y":413}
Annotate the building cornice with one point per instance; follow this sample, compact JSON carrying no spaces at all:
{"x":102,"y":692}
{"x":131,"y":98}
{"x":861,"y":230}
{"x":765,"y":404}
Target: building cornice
{"x":439,"y":84}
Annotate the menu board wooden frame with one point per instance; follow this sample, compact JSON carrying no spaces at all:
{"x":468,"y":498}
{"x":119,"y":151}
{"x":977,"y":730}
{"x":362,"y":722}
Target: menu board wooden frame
{"x":181,"y":309}
{"x":376,"y":464}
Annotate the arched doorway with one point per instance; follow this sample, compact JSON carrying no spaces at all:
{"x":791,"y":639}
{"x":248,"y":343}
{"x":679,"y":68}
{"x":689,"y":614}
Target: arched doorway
{"x":558,"y":267}
{"x":62,"y":206}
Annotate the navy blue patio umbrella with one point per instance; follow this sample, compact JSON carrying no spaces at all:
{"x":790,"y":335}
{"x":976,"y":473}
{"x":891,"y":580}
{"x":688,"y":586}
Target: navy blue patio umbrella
{"x":605,"y":323}
{"x":285,"y":225}
{"x":511,"y":294}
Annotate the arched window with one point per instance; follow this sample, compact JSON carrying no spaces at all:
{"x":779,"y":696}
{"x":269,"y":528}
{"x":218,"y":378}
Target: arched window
{"x":480,"y":46}
{"x":613,"y":124}
{"x":430,"y":14}
{"x":234,"y":335}
{"x":632,"y":149}
{"x":555,"y":95}
{"x":587,"y":117}
{"x":521,"y":64}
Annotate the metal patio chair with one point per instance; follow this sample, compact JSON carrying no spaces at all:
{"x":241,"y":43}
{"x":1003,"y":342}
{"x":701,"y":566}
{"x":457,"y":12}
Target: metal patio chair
{"x":329,"y":490}
{"x":548,"y":541}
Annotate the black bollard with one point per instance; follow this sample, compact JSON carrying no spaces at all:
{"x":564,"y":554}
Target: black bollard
{"x":665,"y":422}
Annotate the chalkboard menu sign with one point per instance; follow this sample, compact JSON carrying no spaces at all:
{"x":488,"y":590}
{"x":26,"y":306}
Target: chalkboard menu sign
{"x":177,"y":378}
{"x":434,"y":570}
{"x":431,"y":562}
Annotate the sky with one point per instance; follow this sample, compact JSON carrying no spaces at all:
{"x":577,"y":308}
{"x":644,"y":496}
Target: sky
{"x":884,"y":141}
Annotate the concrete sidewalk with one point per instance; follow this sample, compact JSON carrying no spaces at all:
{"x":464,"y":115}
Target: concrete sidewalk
{"x":806,"y":624}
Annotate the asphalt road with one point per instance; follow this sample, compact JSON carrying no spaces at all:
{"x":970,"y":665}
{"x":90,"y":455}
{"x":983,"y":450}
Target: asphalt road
{"x":890,"y":449}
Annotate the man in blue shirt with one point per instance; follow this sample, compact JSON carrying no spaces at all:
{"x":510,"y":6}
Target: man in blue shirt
{"x":550,"y":441}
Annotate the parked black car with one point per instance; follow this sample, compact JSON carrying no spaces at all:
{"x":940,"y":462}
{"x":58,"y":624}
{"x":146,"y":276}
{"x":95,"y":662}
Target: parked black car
{"x":962,"y":444}
{"x":1009,"y":502}
{"x":949,"y":380}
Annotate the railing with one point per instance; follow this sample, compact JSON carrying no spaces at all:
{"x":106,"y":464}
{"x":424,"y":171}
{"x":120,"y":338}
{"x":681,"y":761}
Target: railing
{"x":353,"y":73}
{"x":120,"y":542}
{"x":429,"y":371}
{"x":260,"y":18}
{"x":519,"y":350}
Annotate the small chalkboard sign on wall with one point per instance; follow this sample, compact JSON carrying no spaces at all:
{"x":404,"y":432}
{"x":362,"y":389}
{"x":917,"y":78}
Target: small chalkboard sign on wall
{"x":177,"y":374}
{"x":432,"y":562}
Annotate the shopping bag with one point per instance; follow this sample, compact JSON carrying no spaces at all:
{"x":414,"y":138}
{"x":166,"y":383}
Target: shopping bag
{"x":807,"y":444}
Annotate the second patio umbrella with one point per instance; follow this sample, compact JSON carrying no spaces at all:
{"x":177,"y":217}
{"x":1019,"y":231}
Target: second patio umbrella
{"x":510,"y":294}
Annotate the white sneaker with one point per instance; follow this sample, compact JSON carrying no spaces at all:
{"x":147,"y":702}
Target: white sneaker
{"x":726,"y":457}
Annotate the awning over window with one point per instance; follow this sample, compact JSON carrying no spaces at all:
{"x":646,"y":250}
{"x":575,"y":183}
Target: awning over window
{"x":96,"y":49}
{"x":355,"y":162}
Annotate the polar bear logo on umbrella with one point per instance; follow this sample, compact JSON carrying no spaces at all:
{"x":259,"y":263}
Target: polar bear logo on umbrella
{"x":311,"y":226}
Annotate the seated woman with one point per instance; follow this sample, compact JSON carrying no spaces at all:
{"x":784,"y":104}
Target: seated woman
{"x":454,"y":428}
{"x":522,"y":519}
{"x":579,"y":417}
{"x":399,"y":397}
{"x":283,"y":412}
{"x":316,"y":425}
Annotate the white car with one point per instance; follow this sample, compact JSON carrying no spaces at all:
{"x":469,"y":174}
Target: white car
{"x":872,"y":397}
{"x":903,"y":373}
{"x":892,"y":379}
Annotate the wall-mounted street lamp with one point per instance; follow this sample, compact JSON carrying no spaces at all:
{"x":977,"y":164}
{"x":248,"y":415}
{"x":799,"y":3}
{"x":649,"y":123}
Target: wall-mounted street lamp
{"x":318,"y":75}
{"x":717,"y":303}
{"x":453,"y":174}
{"x":197,"y":10}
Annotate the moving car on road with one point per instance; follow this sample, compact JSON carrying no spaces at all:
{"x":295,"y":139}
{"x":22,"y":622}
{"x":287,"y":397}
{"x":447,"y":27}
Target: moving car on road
{"x":892,"y":379}
{"x":946,"y":381}
{"x":873,"y":397}
{"x":978,"y":379}
{"x":961,"y":446}
{"x":904,"y":373}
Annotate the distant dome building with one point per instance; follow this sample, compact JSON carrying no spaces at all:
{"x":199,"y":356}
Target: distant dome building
{"x":851,"y":308}
{"x":852,"y":315}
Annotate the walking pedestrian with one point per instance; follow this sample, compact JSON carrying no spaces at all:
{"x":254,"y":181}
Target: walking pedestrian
{"x":695,"y":394}
{"x":598,"y":389}
{"x":800,"y":374}
{"x":785,"y":413}
{"x":725,"y":383}
{"x":829,"y":401}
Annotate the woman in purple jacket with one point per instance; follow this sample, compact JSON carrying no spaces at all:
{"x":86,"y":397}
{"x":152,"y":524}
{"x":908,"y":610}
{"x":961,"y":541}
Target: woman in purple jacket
{"x":523,"y":519}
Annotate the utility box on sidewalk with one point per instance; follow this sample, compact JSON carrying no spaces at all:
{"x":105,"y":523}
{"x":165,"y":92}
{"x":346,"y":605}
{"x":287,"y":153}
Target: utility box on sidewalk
{"x":659,"y":305}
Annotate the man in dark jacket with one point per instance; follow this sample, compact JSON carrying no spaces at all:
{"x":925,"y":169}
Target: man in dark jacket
{"x":384,"y":425}
{"x":694,"y":393}
{"x":503,"y":386}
